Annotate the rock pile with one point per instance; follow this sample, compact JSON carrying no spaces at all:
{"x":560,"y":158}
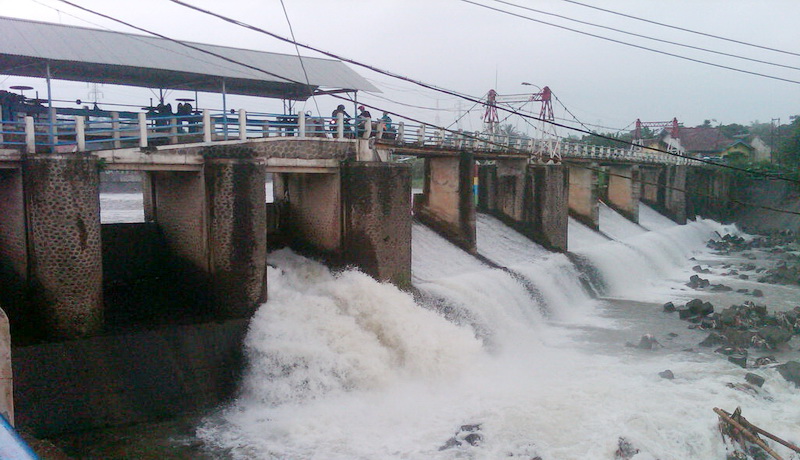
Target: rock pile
{"x":738,"y":328}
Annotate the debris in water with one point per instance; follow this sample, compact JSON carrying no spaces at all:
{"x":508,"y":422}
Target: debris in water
{"x":745,"y":434}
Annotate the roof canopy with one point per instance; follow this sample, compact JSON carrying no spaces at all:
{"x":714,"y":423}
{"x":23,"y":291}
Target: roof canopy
{"x":99,"y":56}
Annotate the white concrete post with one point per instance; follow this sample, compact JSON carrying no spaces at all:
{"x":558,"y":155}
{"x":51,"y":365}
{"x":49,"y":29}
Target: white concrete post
{"x":242,"y":124}
{"x":80,"y":134}
{"x":381,"y":126}
{"x":115,"y":129}
{"x":6,"y":376}
{"x":440,"y":136}
{"x":460,"y":139}
{"x":340,"y":125}
{"x":173,"y":130}
{"x":367,"y":127}
{"x":30,"y":135}
{"x":301,"y":124}
{"x":421,"y":135}
{"x":142,"y":130}
{"x":401,"y":132}
{"x":206,"y":126}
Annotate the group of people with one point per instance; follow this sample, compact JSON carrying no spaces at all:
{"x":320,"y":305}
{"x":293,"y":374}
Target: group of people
{"x":364,"y":117}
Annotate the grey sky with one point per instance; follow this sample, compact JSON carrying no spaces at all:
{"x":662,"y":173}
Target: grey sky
{"x":470,"y":49}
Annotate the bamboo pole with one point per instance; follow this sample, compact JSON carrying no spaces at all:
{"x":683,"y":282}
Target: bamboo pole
{"x":761,"y":431}
{"x":747,"y":433}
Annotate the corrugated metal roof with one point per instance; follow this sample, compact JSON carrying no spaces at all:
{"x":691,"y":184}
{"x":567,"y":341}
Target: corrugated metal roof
{"x":82,"y":54}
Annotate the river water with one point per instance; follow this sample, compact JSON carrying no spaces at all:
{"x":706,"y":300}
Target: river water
{"x":532,"y":358}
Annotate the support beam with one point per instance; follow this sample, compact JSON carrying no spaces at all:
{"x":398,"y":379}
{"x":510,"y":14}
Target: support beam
{"x":376,"y":201}
{"x":237,"y":236}
{"x":674,"y":195}
{"x":550,"y":207}
{"x":64,"y":256}
{"x":623,"y":190}
{"x":584,"y":194}
{"x":446,"y":203}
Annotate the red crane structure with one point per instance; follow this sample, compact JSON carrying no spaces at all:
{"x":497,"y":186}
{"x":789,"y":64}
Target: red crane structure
{"x":550,"y":140}
{"x":671,"y":125}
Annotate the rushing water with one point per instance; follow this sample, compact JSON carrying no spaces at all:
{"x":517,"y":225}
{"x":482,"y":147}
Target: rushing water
{"x":343,"y":367}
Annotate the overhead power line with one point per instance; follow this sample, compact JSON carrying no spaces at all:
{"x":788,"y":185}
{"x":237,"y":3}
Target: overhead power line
{"x":647,"y":37}
{"x":633,"y":45}
{"x":683,"y":29}
{"x":400,"y":77}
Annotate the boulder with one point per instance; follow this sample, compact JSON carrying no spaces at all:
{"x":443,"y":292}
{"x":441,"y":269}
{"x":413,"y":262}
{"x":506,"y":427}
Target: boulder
{"x":757,"y":293}
{"x":754,"y":379}
{"x":669,"y":307}
{"x":790,"y":371}
{"x":698,"y":307}
{"x":740,"y":359}
{"x":713,"y":339}
{"x":667,"y":374}
{"x":720,"y":288}
{"x":775,"y":336}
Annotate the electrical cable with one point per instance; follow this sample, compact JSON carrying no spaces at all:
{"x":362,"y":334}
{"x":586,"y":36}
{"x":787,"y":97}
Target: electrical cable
{"x":300,"y":58}
{"x":614,"y":29}
{"x":633,"y":45}
{"x":683,"y":29}
{"x":408,"y":79}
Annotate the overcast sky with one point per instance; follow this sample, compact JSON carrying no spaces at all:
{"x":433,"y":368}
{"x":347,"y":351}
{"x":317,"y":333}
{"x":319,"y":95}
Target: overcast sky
{"x":460,"y":46}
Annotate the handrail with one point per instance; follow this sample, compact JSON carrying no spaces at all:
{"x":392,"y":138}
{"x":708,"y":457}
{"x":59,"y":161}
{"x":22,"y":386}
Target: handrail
{"x":113,"y":130}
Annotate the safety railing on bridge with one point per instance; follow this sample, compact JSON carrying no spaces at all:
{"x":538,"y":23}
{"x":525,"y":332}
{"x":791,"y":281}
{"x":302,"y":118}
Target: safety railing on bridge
{"x":115,"y":130}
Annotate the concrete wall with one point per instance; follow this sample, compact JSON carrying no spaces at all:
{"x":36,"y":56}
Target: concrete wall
{"x":623,"y":190}
{"x":652,"y":184}
{"x":709,"y":193}
{"x":377,"y":220}
{"x":510,"y":188}
{"x":180,"y":210}
{"x":532,"y":199}
{"x":63,"y":208}
{"x":237,"y":235}
{"x":674,"y":195}
{"x":550,"y":194}
{"x":584,"y":195}
{"x":13,"y":246}
{"x":6,"y":374}
{"x":115,"y":380}
{"x":313,"y":208}
{"x":447,"y":204}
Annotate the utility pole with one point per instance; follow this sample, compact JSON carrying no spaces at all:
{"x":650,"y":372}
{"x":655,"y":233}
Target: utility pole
{"x":773,"y":130}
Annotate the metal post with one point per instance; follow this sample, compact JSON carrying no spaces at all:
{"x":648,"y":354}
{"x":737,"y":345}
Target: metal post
{"x":224,"y":111}
{"x":80,"y":133}
{"x":301,"y":124}
{"x":206,"y":126}
{"x":242,"y":125}
{"x":142,"y":130}
{"x":30,"y":135}
{"x":50,"y":112}
{"x":115,"y":129}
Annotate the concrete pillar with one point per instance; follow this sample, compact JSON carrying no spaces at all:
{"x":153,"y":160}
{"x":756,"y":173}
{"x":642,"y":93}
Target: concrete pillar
{"x":65,"y":259}
{"x":487,"y":187}
{"x":376,"y":203}
{"x":148,"y":197}
{"x":584,"y":194}
{"x":674,"y":195}
{"x":237,"y":235}
{"x":652,"y":182}
{"x":13,"y":247}
{"x":313,"y":209}
{"x":446,"y":204}
{"x":179,"y":203}
{"x":510,"y":192}
{"x":549,"y":209}
{"x":623,"y":190}
{"x":708,"y":192}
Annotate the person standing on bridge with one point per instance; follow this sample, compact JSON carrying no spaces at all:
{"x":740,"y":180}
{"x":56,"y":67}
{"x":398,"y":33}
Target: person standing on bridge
{"x":364,"y":117}
{"x":389,"y":131}
{"x":335,"y":116}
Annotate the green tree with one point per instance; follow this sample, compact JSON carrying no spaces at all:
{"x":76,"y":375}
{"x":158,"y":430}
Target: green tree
{"x":788,"y":154}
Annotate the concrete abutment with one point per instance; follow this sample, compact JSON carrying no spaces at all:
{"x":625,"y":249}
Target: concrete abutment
{"x":532,"y":199}
{"x":584,"y":194}
{"x":624,"y":190}
{"x":446,"y":203}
